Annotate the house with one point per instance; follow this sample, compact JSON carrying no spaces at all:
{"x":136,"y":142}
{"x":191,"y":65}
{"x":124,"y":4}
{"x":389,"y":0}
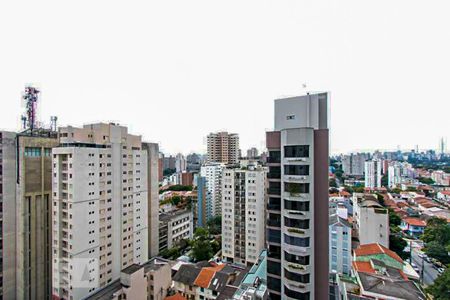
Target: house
{"x":413,"y":226}
{"x":444,"y":196}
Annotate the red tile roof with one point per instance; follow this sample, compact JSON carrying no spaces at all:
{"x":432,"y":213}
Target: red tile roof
{"x":445,"y":193}
{"x":363,"y":266}
{"x":177,"y":296}
{"x":415,"y":222}
{"x":206,"y":275}
{"x":372,"y":249}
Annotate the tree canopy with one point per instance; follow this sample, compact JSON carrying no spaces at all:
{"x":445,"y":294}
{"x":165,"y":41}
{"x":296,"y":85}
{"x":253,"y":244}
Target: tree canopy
{"x":440,"y":289}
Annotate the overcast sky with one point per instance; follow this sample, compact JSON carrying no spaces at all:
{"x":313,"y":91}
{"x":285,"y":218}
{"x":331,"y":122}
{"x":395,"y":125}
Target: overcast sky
{"x":175,"y":70}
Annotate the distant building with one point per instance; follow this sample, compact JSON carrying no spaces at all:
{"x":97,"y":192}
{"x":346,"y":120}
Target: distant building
{"x":223,"y":147}
{"x":213,"y":173}
{"x":174,"y":227}
{"x":202,"y":195}
{"x":398,"y":173}
{"x":371,"y":220}
{"x":353,"y":164}
{"x":187,"y":178}
{"x":441,"y":178}
{"x":372,"y":174}
{"x":243,"y":214}
{"x":194,"y":162}
{"x":180,"y":163}
{"x":340,"y":241}
{"x":252,"y":153}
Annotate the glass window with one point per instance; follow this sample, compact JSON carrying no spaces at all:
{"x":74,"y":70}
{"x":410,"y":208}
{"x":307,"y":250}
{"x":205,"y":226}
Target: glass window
{"x":296,"y":151}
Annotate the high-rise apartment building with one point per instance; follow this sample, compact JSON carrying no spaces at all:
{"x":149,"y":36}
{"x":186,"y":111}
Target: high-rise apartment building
{"x":372,"y":176}
{"x":243,"y":214}
{"x":297,"y":228}
{"x":180,"y":163}
{"x":212,"y":199}
{"x":153,"y":174}
{"x":25,"y":196}
{"x":252,"y":153}
{"x":353,"y":164}
{"x":100,"y":207}
{"x":223,"y":147}
{"x":340,"y":248}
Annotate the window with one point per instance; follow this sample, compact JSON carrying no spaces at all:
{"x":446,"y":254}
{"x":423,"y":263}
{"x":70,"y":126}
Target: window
{"x":296,"y":151}
{"x":32,"y":151}
{"x":296,"y":170}
{"x":295,"y":241}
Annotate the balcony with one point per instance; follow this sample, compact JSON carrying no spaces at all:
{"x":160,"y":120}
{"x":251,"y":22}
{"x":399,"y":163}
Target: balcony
{"x":295,"y":214}
{"x":297,"y":196}
{"x":296,"y":178}
{"x":297,"y":268}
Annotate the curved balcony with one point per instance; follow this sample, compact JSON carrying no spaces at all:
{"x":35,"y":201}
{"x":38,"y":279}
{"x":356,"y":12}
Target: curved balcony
{"x":297,"y":232}
{"x":296,"y":268}
{"x":297,"y":196}
{"x":294,"y":214}
{"x":296,"y":178}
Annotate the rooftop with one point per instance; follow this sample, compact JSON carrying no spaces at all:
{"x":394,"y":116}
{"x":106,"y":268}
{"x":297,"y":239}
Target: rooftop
{"x":373,"y":249}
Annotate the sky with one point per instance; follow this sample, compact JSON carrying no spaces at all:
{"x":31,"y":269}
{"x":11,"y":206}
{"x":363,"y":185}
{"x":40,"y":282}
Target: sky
{"x":173,"y":71}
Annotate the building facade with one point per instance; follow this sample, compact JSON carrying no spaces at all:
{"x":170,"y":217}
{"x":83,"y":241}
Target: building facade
{"x":100,"y":208}
{"x":243,"y":214}
{"x":297,"y":228}
{"x":174,"y":227}
{"x":353,"y":164}
{"x":213,"y":173}
{"x":371,"y":220}
{"x":373,"y":174}
{"x":340,"y":251}
{"x":223,"y":147}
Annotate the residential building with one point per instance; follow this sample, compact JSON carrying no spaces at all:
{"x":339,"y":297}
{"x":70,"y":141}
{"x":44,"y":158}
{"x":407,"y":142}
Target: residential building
{"x":298,"y":196}
{"x":213,"y":173}
{"x":153,"y":173}
{"x":373,"y":174}
{"x":194,"y":162}
{"x":208,"y":280}
{"x":413,"y":226}
{"x":187,"y":178}
{"x":223,"y":147}
{"x":151,"y":280}
{"x":100,"y":207}
{"x":243,"y":214}
{"x":378,"y":273}
{"x":26,"y":220}
{"x":353,"y":164}
{"x":180,"y":163}
{"x":252,"y":153}
{"x":340,"y":239}
{"x":254,"y":284}
{"x":174,"y":227}
{"x":169,"y":162}
{"x":441,"y":178}
{"x":202,"y":195}
{"x":399,"y":172}
{"x":371,"y":220}
{"x":8,"y":180}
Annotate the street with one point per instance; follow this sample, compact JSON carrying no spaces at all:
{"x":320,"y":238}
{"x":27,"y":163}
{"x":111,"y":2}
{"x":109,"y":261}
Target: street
{"x":430,"y":274}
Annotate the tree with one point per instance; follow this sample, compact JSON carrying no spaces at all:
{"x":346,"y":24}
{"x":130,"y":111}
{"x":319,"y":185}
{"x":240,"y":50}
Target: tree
{"x":215,"y":225}
{"x":175,"y":200}
{"x":394,"y":219}
{"x":168,"y":172}
{"x":380,"y":199}
{"x":440,"y":288}
{"x":385,"y":180}
{"x":333,"y":183}
{"x":437,"y":230}
{"x":436,"y":250}
{"x":397,"y":244}
{"x":426,"y":180}
{"x":201,"y":245}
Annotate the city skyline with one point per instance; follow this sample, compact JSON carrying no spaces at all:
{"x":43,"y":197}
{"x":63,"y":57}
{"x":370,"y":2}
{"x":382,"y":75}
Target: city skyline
{"x":112,"y":72}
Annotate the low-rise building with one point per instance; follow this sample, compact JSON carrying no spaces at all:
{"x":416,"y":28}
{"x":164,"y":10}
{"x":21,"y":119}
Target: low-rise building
{"x":151,"y":280}
{"x":254,"y":284}
{"x":174,"y":227}
{"x":413,"y":226}
{"x":371,"y":220}
{"x":208,"y":280}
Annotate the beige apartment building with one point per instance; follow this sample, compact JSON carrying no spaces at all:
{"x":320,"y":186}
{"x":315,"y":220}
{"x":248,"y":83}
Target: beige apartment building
{"x":223,"y":147}
{"x":100,"y":208}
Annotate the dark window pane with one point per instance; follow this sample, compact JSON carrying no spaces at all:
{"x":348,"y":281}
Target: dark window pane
{"x":296,"y":151}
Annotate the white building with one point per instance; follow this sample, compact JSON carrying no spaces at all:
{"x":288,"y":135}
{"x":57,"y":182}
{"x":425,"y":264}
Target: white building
{"x":340,"y":238}
{"x":100,"y":208}
{"x":180,"y":163}
{"x":372,"y":174}
{"x":243,"y":214}
{"x":213,"y":199}
{"x":174,"y":227}
{"x":353,"y":164}
{"x":399,"y":172}
{"x":371,"y":220}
